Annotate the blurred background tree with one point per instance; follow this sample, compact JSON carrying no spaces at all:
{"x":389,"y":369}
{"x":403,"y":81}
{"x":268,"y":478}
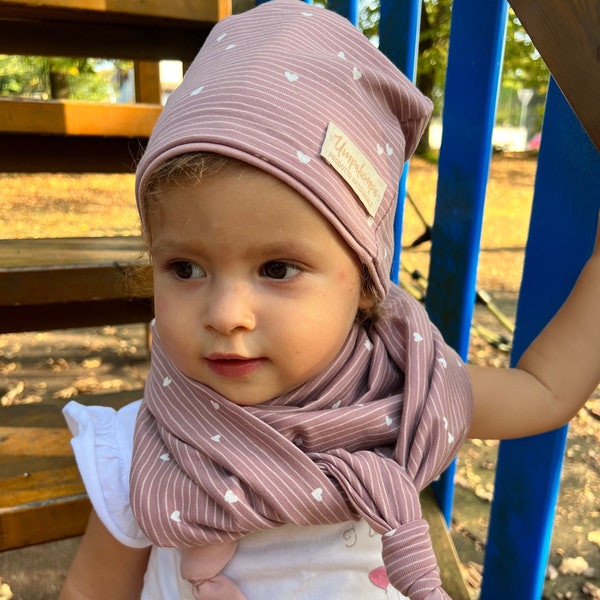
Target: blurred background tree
{"x":521,"y":99}
{"x":56,"y":78}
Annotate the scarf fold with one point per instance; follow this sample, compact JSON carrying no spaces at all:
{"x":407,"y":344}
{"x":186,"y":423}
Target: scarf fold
{"x":358,"y":441}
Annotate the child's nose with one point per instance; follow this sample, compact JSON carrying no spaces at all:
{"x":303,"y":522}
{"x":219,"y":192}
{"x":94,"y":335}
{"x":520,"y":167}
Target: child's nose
{"x":230,"y":309}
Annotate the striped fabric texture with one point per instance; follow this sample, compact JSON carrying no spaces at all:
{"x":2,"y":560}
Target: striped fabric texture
{"x":360,"y":440}
{"x":264,"y":89}
{"x":388,"y":415}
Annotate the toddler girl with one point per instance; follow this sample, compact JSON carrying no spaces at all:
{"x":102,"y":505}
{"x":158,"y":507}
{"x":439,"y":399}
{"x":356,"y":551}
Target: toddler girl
{"x":297,"y":401}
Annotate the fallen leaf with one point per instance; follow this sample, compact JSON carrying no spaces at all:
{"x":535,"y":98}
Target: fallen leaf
{"x":591,"y":590}
{"x":573,"y":566}
{"x":594,"y":537}
{"x":12,"y":395}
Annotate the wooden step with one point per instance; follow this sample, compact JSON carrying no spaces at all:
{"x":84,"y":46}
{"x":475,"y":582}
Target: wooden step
{"x":69,"y":136}
{"x":42,"y":497}
{"x":131,"y":29}
{"x":58,"y":283}
{"x":72,"y":117}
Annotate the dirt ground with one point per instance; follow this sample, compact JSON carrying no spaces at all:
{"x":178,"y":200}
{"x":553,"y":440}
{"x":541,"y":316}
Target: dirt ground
{"x":51,"y":366}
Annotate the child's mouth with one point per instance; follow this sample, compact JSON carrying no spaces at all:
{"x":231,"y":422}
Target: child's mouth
{"x":234,"y":367}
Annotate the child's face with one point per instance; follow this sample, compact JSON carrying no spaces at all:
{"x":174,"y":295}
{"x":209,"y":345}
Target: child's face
{"x":255,"y":293}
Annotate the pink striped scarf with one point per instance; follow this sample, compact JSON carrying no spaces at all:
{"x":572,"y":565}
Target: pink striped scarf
{"x":358,"y":441}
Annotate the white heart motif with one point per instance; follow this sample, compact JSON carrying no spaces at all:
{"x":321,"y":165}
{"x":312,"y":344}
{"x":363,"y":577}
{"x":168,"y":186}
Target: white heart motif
{"x":230,"y":47}
{"x":230,"y":497}
{"x":336,"y":404}
{"x":450,"y":438}
{"x":445,"y":424}
{"x":356,"y":74}
{"x":221,"y":37}
{"x":317,"y":494}
{"x":216,"y":438}
{"x":380,"y":150}
{"x":389,"y":150}
{"x":307,"y":14}
{"x":341,"y":55}
{"x":291,"y":77}
{"x":368,"y":345}
{"x":303,"y":158}
{"x":176,"y":516}
{"x":215,"y":405}
{"x":417,"y":337}
{"x":443,"y":362}
{"x":196,"y":91}
{"x":165,"y":457}
{"x":167,"y":381}
{"x":388,"y":421}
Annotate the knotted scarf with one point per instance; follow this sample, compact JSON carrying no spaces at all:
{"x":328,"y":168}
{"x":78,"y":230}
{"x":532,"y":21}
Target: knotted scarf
{"x":358,"y":441}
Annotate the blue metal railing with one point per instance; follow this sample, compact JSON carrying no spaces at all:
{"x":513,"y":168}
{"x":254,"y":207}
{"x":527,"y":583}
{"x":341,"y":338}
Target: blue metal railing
{"x":562,"y":228}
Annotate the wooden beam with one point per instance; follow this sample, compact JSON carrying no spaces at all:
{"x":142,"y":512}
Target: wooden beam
{"x":147,"y":81}
{"x":70,"y":117}
{"x":190,"y":10}
{"x":450,"y":567}
{"x":136,"y":41}
{"x":567,"y":36}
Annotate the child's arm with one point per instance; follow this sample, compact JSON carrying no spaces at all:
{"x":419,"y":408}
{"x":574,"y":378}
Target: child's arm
{"x":104,"y":568}
{"x":556,"y":374}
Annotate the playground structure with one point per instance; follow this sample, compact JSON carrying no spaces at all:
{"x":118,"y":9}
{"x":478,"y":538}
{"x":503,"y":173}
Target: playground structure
{"x":566,"y":202}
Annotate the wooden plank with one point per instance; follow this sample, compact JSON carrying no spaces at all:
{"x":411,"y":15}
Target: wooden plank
{"x":70,"y":117}
{"x":22,"y":254}
{"x":445,"y":552}
{"x":44,"y":271}
{"x":41,"y":522}
{"x":67,"y":315}
{"x":73,"y":282}
{"x":192,"y":10}
{"x":567,"y":36}
{"x":102,"y":40}
{"x":147,"y":82}
{"x":42,"y":497}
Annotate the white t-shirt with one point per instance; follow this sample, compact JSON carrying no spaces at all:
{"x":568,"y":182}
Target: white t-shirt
{"x":326,"y":562}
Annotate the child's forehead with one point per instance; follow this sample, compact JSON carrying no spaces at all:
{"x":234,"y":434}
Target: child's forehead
{"x":297,"y":91}
{"x":245,"y":211}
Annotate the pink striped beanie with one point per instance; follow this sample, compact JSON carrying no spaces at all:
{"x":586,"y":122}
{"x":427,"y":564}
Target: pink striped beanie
{"x":300,"y":93}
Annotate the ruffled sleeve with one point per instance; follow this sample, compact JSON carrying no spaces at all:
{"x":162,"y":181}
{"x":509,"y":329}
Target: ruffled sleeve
{"x":103,"y":445}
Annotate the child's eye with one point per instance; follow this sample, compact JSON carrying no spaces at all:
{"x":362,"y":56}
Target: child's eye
{"x":184,"y":269}
{"x":279,"y":270}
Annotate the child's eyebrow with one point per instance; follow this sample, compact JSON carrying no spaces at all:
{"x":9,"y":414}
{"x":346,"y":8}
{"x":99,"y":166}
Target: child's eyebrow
{"x":280,"y":247}
{"x":285,"y":247}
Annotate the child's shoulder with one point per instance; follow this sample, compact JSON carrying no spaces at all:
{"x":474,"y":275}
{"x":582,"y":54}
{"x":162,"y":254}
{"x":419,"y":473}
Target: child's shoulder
{"x":103,"y":445}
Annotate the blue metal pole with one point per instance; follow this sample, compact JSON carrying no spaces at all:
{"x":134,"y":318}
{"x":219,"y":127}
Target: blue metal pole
{"x":474,"y":65}
{"x":399,"y":24}
{"x":561,"y":237}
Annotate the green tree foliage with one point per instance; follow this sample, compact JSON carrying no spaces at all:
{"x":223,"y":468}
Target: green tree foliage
{"x":523,"y":66}
{"x":55,"y":78}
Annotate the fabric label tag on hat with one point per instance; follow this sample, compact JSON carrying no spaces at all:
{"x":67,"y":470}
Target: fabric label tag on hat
{"x":346,"y":158}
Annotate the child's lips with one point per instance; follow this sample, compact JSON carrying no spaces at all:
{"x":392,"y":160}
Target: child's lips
{"x":233,"y":366}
